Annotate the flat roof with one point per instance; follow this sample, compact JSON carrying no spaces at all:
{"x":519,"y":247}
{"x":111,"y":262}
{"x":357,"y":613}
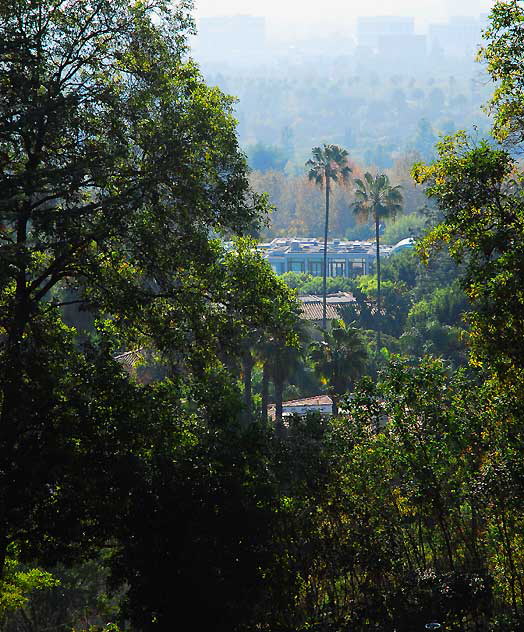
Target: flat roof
{"x":284,"y":246}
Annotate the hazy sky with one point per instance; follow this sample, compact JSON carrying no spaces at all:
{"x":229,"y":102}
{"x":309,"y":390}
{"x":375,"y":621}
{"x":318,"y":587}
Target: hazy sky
{"x":340,"y":10}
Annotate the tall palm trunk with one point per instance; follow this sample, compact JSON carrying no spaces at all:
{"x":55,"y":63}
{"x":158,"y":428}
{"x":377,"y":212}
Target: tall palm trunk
{"x":379,"y":313}
{"x":324,"y":278}
{"x":329,"y":162}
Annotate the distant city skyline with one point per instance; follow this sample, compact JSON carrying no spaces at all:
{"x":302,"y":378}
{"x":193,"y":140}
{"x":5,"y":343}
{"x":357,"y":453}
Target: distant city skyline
{"x":339,"y":10}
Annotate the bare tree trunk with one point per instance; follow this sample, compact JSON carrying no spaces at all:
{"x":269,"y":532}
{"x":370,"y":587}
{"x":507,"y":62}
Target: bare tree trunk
{"x":247,"y":368}
{"x":279,"y":389}
{"x":324,"y":279}
{"x":265,"y":391}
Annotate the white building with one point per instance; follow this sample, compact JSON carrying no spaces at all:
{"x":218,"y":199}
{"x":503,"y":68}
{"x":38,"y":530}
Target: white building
{"x":306,"y":255}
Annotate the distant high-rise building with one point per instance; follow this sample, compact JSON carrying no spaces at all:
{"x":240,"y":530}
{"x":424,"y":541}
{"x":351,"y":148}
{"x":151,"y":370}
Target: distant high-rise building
{"x":370,"y":30}
{"x":228,"y":35}
{"x":459,"y":37}
{"x":392,"y":38}
{"x":402,"y":48}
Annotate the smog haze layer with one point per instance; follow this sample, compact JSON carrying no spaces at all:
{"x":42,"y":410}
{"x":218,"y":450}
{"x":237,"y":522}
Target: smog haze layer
{"x":312,"y":12}
{"x":383,"y":79}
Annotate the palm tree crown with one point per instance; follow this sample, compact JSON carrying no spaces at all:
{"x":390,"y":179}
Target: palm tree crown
{"x":329,"y":162}
{"x":340,"y":358}
{"x":377,"y":199}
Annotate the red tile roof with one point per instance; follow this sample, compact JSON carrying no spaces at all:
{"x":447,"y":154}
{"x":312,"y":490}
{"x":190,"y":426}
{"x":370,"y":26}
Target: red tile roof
{"x":313,"y":402}
{"x":312,"y":305}
{"x":313,"y":311}
{"x":318,"y":400}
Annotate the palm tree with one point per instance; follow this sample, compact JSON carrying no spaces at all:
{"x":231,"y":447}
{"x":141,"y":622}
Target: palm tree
{"x":377,"y":199}
{"x":329,"y":162}
{"x":340,"y":358}
{"x":281,"y":360}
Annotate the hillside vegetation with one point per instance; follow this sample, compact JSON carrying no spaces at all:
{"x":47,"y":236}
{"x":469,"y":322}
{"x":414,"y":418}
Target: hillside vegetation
{"x":142,"y":485}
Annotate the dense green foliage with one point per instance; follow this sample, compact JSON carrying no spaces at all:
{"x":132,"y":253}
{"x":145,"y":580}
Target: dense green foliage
{"x":142,"y":498}
{"x":117,"y":162}
{"x":340,"y":359}
{"x":503,"y":54}
{"x":480,"y":196}
{"x":424,"y":308}
{"x":337,"y":525}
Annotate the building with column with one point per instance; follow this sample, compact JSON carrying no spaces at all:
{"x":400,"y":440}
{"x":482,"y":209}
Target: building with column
{"x":344,"y":258}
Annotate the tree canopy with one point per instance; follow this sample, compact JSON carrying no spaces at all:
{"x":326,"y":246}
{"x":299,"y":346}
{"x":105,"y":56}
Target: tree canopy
{"x":117,"y":162}
{"x":478,"y":192}
{"x":123,"y":194}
